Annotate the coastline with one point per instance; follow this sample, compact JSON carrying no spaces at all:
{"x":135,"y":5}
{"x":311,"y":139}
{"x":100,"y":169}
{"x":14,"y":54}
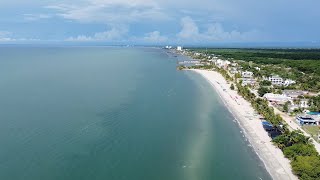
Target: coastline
{"x":272,"y":157}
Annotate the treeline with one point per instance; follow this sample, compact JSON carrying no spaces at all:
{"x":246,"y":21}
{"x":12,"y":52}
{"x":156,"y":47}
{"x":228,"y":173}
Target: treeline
{"x":291,"y":54}
{"x":305,"y":60}
{"x":306,"y":66}
{"x":274,"y":54}
{"x":305,"y":160}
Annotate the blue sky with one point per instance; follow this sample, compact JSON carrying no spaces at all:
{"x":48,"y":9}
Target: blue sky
{"x":160,"y":21}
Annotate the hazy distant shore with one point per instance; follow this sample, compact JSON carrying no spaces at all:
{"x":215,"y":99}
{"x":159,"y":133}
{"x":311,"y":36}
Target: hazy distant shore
{"x":275,"y":162}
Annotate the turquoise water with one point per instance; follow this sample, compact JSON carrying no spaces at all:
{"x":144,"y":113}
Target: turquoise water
{"x":114,"y":113}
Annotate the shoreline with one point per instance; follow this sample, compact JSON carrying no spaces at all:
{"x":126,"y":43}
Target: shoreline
{"x":272,"y":157}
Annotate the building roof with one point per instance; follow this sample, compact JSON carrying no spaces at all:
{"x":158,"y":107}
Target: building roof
{"x":293,"y":93}
{"x":276,"y":97}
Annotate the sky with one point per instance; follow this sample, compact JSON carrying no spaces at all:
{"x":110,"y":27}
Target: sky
{"x":156,"y":22}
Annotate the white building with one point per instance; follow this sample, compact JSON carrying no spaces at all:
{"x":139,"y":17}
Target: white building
{"x":304,"y":103}
{"x":276,"y":80}
{"x":248,"y":81}
{"x":247,"y":74}
{"x":179,"y":48}
{"x":233,"y":70}
{"x":294,"y":93}
{"x":257,"y":68}
{"x":234,"y":64}
{"x":277,"y":97}
{"x":288,"y":82}
{"x":222,"y":63}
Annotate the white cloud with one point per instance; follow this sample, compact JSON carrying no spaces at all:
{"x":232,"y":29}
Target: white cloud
{"x":5,"y":39}
{"x":214,"y":33}
{"x":35,"y":17}
{"x":114,"y":34}
{"x":6,"y":36}
{"x":120,"y":34}
{"x":80,"y":38}
{"x":5,"y":33}
{"x":110,"y":11}
{"x":189,"y":29}
{"x":155,"y":37}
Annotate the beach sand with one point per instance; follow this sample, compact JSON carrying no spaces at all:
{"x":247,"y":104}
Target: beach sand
{"x":275,"y":162}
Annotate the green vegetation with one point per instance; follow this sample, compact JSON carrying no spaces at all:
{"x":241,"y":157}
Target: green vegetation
{"x":265,"y":83}
{"x":315,"y":103}
{"x":286,"y":106}
{"x":306,"y":167}
{"x":313,"y":131}
{"x":301,"y":65}
{"x":296,"y":150}
{"x":263,"y":90}
{"x":291,"y":138}
{"x":181,"y":67}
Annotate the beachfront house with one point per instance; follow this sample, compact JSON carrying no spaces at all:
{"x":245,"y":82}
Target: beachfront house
{"x":196,"y":54}
{"x":276,"y":80}
{"x":179,"y":48}
{"x":214,"y":57}
{"x":288,"y":82}
{"x":233,"y":70}
{"x":234,"y":64}
{"x":222,"y":63}
{"x":304,"y":103}
{"x":279,"y":81}
{"x":246,"y":74}
{"x":277,"y":97}
{"x":248,"y":81}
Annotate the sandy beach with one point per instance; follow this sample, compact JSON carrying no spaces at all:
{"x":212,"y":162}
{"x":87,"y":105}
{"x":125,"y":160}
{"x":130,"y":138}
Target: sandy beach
{"x":276,"y":164}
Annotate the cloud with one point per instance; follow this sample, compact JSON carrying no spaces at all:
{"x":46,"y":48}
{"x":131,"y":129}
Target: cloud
{"x":6,"y":36}
{"x":35,"y":17}
{"x":113,"y":34}
{"x":214,"y":33}
{"x":110,"y":11}
{"x":80,"y":38}
{"x":185,"y":21}
{"x":189,"y":29}
{"x":155,"y":37}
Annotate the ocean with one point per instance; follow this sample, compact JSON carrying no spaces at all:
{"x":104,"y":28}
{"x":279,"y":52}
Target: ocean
{"x":114,"y":113}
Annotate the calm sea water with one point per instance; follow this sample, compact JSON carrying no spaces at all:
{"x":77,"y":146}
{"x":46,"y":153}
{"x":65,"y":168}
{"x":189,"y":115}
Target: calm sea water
{"x":114,"y":113}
